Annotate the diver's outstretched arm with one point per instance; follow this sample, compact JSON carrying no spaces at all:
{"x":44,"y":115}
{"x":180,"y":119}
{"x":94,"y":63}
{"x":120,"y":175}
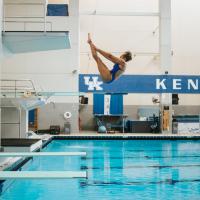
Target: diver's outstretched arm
{"x":111,"y":57}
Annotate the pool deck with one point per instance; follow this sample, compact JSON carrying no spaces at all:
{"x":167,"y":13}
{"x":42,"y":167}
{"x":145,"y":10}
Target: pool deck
{"x":95,"y":135}
{"x":133,"y":134}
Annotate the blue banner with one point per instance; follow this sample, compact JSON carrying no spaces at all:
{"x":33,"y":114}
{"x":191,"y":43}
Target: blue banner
{"x":141,"y":84}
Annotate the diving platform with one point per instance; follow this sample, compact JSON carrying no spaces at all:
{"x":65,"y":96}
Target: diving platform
{"x":26,"y":42}
{"x":17,"y":145}
{"x":21,"y":93}
{"x":38,"y":154}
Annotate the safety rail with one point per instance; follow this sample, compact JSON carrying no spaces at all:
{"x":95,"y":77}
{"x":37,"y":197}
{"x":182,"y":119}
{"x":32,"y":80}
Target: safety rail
{"x":43,"y":16}
{"x":14,"y":87}
{"x":42,"y":3}
{"x":25,"y":23}
{"x":25,"y":88}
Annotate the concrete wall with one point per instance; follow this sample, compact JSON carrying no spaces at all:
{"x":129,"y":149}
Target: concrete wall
{"x":88,"y":121}
{"x":11,"y":122}
{"x":190,"y":106}
{"x":14,"y":122}
{"x":53,"y":114}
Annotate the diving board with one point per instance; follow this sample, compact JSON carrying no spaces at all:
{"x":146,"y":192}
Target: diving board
{"x":25,"y":42}
{"x":33,"y":154}
{"x":42,"y":174}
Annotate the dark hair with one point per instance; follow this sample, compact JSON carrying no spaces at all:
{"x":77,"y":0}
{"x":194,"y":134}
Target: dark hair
{"x":127,"y":56}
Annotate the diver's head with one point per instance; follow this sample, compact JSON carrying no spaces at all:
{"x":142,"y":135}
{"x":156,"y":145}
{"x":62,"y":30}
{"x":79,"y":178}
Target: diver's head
{"x":126,"y":56}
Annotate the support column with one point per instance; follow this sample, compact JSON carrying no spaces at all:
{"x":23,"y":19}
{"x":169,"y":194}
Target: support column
{"x":1,"y":55}
{"x":23,"y":123}
{"x":75,"y":57}
{"x":165,"y":62}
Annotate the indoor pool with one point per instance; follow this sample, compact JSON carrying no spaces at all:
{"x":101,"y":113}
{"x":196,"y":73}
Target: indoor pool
{"x":117,"y":170}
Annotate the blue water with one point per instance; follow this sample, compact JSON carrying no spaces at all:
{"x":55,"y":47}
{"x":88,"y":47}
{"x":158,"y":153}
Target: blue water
{"x":117,"y":170}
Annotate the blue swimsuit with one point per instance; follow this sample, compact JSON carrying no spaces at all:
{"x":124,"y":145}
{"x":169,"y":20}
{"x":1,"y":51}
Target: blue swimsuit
{"x":113,"y":72}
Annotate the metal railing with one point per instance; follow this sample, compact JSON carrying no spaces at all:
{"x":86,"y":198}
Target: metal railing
{"x":16,"y":87}
{"x":28,"y":22}
{"x":43,"y":3}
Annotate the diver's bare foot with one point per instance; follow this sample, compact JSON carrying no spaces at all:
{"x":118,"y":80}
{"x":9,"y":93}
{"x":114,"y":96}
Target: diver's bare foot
{"x":89,"y":39}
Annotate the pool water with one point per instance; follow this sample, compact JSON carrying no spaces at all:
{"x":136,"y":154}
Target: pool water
{"x":117,"y":170}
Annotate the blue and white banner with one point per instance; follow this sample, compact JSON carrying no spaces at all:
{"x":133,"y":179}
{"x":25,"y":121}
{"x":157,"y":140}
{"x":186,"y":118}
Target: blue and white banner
{"x":141,"y":84}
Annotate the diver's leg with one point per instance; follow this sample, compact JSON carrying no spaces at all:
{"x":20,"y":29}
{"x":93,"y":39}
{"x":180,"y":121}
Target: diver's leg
{"x":103,"y":70}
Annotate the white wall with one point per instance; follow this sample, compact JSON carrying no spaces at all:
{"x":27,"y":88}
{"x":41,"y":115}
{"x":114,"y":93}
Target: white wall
{"x":186,"y":43}
{"x":58,"y":1}
{"x":116,"y":34}
{"x":186,"y":40}
{"x":119,"y":5}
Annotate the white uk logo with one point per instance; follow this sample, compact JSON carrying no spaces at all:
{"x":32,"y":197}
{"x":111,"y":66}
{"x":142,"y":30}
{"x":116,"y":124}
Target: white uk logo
{"x":94,"y":83}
